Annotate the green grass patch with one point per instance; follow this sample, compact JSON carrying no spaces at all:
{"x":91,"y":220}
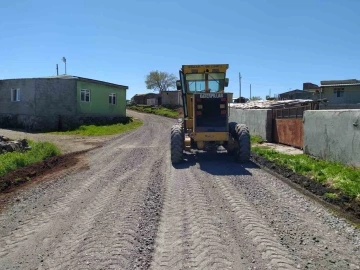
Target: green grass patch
{"x":256,"y":140}
{"x":39,"y":151}
{"x":331,"y":195}
{"x":158,"y":110}
{"x":95,"y":130}
{"x":336,"y":175}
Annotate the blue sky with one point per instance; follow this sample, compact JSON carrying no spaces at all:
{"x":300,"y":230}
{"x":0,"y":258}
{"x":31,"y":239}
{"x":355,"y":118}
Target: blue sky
{"x":275,"y":44}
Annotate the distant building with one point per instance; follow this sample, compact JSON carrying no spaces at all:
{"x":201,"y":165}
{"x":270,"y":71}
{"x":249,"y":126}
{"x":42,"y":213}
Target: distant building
{"x":341,"y":91}
{"x":309,"y":86}
{"x":59,"y":102}
{"x":171,"y":98}
{"x":142,"y":99}
{"x":296,"y":94}
{"x":240,"y":100}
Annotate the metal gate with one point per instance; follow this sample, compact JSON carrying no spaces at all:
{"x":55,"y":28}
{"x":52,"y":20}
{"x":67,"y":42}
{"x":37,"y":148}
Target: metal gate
{"x":287,"y":125}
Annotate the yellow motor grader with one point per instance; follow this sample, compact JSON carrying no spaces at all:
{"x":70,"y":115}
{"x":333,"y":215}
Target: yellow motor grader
{"x":205,"y":125}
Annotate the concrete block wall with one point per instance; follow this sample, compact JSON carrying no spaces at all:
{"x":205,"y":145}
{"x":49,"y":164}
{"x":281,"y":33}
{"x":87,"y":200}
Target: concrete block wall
{"x":333,"y":135}
{"x":42,"y":102}
{"x":26,"y":105}
{"x":259,"y":121}
{"x":55,"y":97}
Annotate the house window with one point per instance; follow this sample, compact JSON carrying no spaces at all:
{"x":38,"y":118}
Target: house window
{"x":85,"y":95}
{"x":112,"y":98}
{"x":15,"y":94}
{"x":339,"y":92}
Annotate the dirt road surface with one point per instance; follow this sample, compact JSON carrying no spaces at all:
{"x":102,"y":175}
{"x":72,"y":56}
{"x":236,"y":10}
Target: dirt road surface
{"x":127,"y":207}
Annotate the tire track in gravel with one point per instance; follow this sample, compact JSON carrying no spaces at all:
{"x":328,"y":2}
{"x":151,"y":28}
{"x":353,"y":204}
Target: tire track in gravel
{"x":189,"y":233}
{"x":256,"y":228}
{"x":212,"y":248}
{"x":313,"y":237}
{"x":114,"y":244}
{"x":255,"y":239}
{"x":298,"y":223}
{"x":87,"y":205}
{"x":43,"y":220}
{"x":65,"y":255}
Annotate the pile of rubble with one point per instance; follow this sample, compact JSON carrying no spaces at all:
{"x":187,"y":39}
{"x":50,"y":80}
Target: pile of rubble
{"x":7,"y":145}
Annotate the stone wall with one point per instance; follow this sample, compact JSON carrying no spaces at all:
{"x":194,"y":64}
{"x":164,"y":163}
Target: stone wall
{"x":55,"y":123}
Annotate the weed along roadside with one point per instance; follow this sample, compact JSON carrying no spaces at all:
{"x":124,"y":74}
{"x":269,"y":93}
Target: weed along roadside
{"x":11,"y":161}
{"x":158,"y":110}
{"x":100,"y":130}
{"x":332,"y":182}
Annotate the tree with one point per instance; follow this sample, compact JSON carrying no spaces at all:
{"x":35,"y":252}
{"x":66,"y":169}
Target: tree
{"x":160,"y":81}
{"x":255,"y":98}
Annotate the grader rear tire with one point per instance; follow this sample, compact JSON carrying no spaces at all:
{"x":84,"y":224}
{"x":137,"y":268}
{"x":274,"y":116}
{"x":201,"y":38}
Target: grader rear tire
{"x":242,"y":153}
{"x":177,"y":144}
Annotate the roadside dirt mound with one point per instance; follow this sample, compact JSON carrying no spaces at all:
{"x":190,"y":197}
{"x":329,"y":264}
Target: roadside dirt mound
{"x":29,"y":174}
{"x":350,"y":206}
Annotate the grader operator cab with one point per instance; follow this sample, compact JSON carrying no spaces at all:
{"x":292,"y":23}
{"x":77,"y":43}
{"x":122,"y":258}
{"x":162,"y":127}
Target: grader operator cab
{"x":205,"y":125}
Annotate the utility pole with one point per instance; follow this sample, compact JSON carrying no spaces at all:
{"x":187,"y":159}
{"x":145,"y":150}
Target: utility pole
{"x":239,"y":87}
{"x":57,"y":70}
{"x":250,"y":90}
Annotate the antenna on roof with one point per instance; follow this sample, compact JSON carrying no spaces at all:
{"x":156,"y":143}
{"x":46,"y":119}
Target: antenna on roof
{"x":64,"y":60}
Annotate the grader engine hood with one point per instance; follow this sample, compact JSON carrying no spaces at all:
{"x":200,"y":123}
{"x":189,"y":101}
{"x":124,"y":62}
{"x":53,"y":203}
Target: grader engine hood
{"x":211,"y":112}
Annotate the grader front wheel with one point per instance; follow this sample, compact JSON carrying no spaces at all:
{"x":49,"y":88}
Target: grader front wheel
{"x":177,"y":144}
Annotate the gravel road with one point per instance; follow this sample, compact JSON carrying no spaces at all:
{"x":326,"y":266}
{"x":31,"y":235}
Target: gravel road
{"x":127,"y":207}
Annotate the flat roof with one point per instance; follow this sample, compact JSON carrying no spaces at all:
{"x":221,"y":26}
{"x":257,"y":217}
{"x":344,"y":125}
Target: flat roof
{"x":67,"y":77}
{"x":340,"y":84}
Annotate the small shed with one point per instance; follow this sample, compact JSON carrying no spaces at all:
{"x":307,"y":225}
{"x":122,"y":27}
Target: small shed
{"x":142,"y":98}
{"x":172,"y":98}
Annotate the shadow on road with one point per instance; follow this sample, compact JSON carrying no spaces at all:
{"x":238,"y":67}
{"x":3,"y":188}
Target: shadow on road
{"x":215,"y":164}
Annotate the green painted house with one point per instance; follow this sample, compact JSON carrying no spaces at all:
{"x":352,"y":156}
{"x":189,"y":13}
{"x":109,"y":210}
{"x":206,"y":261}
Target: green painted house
{"x":100,"y":98}
{"x":60,"y":102}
